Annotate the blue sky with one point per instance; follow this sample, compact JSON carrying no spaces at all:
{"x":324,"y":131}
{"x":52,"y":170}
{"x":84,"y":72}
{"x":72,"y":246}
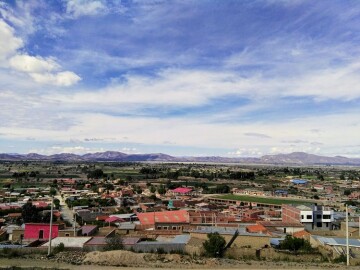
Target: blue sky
{"x":229,"y":78}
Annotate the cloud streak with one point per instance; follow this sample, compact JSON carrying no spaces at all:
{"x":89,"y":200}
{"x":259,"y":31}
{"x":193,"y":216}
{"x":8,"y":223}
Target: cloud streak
{"x":227,"y":78}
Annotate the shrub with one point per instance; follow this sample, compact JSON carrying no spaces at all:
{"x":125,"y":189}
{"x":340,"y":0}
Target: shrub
{"x":59,"y":248}
{"x":340,"y":259}
{"x":160,"y":251}
{"x":114,"y":243}
{"x":295,"y":244}
{"x":214,"y":246}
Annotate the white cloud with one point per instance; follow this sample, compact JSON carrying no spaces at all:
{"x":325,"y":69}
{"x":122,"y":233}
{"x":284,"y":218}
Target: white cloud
{"x":41,"y":70}
{"x":77,"y":8}
{"x":79,"y":150}
{"x":198,"y":133}
{"x":184,"y":88}
{"x":129,"y":150}
{"x":65,"y":78}
{"x":10,"y":43}
{"x":33,"y":64}
{"x":257,"y":135}
{"x":246,"y":152}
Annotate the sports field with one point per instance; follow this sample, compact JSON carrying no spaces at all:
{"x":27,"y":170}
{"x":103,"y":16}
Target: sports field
{"x":245,"y":198}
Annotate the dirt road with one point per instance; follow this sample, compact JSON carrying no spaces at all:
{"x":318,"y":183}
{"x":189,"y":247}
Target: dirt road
{"x":26,"y":263}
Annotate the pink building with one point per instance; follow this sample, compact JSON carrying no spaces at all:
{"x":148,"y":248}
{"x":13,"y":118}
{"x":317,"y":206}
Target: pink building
{"x":40,"y":231}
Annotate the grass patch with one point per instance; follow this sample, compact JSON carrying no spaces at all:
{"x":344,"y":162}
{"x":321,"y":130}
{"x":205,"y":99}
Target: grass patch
{"x":245,"y":198}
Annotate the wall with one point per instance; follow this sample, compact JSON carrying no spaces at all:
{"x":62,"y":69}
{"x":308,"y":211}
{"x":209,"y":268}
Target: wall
{"x":269,"y":253}
{"x":32,"y":231}
{"x":16,"y":235}
{"x":242,"y":240}
{"x":290,"y":214}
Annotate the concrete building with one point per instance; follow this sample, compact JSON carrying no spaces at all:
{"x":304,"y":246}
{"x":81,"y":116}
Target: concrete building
{"x":313,"y":217}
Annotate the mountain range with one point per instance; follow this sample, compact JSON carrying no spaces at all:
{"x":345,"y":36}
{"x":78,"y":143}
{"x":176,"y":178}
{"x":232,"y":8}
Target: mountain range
{"x":296,"y":158}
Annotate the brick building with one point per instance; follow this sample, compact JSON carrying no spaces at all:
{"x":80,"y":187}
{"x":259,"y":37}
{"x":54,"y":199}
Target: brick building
{"x":313,"y":217}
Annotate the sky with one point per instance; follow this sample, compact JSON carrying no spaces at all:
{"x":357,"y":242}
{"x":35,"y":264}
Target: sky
{"x":182,"y":77}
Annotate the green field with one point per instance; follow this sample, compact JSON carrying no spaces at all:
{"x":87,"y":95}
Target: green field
{"x":245,"y":198}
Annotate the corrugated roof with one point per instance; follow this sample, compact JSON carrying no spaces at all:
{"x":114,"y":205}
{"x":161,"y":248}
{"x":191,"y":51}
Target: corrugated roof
{"x":129,"y":241}
{"x":68,"y":241}
{"x":97,"y":241}
{"x":179,"y":216}
{"x":334,"y":241}
{"x":86,"y":229}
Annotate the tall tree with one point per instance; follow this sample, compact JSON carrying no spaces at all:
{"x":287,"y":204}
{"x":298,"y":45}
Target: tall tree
{"x":29,"y":213}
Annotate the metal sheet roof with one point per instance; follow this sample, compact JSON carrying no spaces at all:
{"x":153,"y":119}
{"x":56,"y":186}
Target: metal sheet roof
{"x":335,"y":241}
{"x":68,"y":241}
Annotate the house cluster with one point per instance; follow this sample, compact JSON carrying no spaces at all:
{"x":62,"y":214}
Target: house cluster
{"x":177,"y":219}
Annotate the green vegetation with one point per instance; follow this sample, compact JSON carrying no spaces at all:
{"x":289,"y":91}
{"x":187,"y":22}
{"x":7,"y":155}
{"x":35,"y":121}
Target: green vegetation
{"x":214,"y":246}
{"x":340,"y":259}
{"x":295,"y":244}
{"x":245,"y":198}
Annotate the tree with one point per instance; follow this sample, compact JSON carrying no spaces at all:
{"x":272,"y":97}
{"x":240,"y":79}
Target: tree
{"x":57,"y":203}
{"x":52,"y":191}
{"x":114,"y":243}
{"x":347,"y":192}
{"x":215,"y":245}
{"x":152,"y":189}
{"x":96,"y":174}
{"x":161,"y":190}
{"x":46,"y":217}
{"x":295,"y":244}
{"x":29,"y":213}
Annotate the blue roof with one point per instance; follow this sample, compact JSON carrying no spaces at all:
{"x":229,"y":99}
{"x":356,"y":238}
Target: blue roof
{"x":281,"y":191}
{"x":299,"y":181}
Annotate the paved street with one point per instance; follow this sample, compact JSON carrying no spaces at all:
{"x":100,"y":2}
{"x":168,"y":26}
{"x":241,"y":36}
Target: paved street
{"x":66,"y":212}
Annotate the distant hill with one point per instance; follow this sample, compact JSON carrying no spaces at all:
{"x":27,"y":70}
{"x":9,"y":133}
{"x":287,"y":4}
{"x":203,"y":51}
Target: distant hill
{"x":296,"y":158}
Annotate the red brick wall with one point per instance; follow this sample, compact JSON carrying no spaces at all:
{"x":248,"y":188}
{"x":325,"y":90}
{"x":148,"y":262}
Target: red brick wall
{"x":290,"y":214}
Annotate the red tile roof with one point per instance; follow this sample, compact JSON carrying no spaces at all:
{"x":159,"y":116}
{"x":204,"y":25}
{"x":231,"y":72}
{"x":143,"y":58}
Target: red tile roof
{"x":179,"y":216}
{"x":113,"y":219}
{"x":182,"y":190}
{"x":301,"y":234}
{"x":256,"y":228}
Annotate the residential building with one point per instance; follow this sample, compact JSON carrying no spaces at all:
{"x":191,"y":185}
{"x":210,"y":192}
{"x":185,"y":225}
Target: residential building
{"x":313,"y":217}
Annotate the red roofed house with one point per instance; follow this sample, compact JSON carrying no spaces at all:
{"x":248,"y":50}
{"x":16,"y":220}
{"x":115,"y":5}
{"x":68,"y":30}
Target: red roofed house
{"x":256,"y":228}
{"x":40,"y":204}
{"x":182,"y":191}
{"x":41,"y":230}
{"x":166,"y":220}
{"x":302,"y":234}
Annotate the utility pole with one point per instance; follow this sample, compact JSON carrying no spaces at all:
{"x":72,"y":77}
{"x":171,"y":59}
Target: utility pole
{"x":51,"y":221}
{"x":347,"y":237}
{"x":74,"y":224}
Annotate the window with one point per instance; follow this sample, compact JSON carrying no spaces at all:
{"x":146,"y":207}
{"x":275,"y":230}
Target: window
{"x":67,"y":234}
{"x":319,"y":224}
{"x":327,"y":224}
{"x":326,"y":216}
{"x":318,"y":216}
{"x":302,"y":216}
{"x":309,"y":217}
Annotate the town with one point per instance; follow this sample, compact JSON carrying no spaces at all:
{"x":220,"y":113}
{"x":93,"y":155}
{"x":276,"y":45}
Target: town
{"x":163,"y":208}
